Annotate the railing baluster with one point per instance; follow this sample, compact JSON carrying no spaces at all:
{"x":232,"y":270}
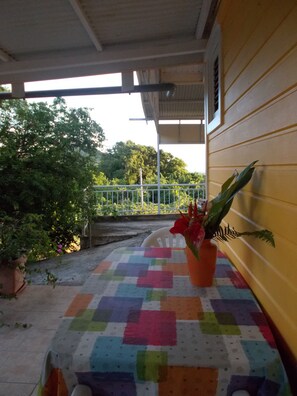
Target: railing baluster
{"x":125,"y":199}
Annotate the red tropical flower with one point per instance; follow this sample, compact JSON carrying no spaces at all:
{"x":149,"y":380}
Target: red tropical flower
{"x":190,"y":225}
{"x":180,"y":225}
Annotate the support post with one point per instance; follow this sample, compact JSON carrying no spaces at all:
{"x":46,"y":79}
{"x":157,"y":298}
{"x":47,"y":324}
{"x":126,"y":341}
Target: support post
{"x":141,"y":188}
{"x":158,"y":172}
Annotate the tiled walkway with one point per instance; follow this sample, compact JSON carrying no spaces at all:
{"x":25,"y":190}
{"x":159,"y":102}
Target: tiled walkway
{"x":22,"y":349}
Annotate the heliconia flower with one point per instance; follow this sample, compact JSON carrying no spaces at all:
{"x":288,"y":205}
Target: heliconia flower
{"x":190,"y":210}
{"x":205,"y":206}
{"x":195,"y":210}
{"x":195,"y":233}
{"x":180,"y":225}
{"x":190,"y":225}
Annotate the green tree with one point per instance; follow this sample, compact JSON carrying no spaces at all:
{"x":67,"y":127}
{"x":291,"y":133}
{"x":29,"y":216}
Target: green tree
{"x":123,"y":161}
{"x":47,"y":163}
{"x":172,"y":168}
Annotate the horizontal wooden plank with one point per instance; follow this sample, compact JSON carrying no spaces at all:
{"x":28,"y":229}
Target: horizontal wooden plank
{"x":254,"y":212}
{"x":225,"y":9}
{"x":277,"y":182}
{"x":245,"y":19}
{"x":262,"y":33}
{"x":263,"y":91}
{"x":277,"y":216}
{"x":277,"y":149}
{"x":275,"y":275}
{"x":254,"y":215}
{"x":276,"y":116}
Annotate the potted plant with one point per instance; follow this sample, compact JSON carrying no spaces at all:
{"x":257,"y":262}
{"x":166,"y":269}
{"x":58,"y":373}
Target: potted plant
{"x":20,"y":239}
{"x":203,"y":223}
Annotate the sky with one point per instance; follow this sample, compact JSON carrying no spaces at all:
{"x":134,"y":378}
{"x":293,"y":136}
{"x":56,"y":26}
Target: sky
{"x":114,"y":114}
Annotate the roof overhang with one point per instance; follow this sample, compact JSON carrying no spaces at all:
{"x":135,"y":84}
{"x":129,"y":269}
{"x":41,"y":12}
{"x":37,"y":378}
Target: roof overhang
{"x":163,"y":41}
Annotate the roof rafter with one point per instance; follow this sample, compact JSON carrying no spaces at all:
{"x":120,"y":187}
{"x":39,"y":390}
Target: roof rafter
{"x":112,"y":60}
{"x":86,"y":24}
{"x":5,"y":57}
{"x":206,"y":4}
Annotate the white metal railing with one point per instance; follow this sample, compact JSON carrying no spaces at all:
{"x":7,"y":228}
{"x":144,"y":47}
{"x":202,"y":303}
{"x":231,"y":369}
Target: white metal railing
{"x":118,"y":200}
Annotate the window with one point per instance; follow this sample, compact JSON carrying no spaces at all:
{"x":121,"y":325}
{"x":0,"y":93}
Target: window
{"x":216,"y":85}
{"x":213,"y":107}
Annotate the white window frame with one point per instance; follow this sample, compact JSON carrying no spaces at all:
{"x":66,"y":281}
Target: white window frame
{"x":213,"y":119}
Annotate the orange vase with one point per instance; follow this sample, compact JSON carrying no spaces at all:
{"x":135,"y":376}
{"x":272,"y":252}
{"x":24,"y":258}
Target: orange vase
{"x":202,"y":271}
{"x":12,"y":278}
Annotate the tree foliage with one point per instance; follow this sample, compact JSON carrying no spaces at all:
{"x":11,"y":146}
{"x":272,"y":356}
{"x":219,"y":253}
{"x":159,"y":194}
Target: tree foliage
{"x":122,"y":162}
{"x":47,"y":163}
{"x":50,"y":159}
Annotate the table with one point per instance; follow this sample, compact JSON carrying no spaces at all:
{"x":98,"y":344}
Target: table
{"x":139,"y":327}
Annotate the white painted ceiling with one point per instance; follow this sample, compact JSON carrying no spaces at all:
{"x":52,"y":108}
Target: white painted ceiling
{"x":163,"y":40}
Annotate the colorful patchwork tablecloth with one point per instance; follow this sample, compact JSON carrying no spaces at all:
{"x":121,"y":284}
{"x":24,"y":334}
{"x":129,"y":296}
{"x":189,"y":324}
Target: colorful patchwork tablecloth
{"x":139,"y":327}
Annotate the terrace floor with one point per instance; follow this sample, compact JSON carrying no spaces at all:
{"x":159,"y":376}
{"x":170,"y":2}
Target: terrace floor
{"x":40,"y":308}
{"x":22,"y":350}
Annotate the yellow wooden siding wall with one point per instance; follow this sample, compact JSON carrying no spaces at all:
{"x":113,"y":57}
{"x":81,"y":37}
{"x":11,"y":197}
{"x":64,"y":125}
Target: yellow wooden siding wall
{"x":259,"y":74}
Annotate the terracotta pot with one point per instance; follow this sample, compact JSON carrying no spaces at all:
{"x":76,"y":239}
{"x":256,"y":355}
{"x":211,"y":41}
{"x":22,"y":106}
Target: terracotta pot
{"x":202,"y":271}
{"x":12,"y":278}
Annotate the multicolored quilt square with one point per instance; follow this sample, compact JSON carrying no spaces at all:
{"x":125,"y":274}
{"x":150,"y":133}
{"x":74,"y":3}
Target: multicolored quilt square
{"x":180,"y":269}
{"x":126,"y":269}
{"x":223,"y":323}
{"x":151,"y":365}
{"x":189,"y":381}
{"x":151,"y":328}
{"x":108,"y":383}
{"x":240,"y":309}
{"x":155,"y":252}
{"x":116,"y":309}
{"x":186,"y":308}
{"x":156,"y":279}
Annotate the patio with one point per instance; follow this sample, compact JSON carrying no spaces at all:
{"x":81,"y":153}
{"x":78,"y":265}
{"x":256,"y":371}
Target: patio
{"x":22,"y":349}
{"x":244,"y":53}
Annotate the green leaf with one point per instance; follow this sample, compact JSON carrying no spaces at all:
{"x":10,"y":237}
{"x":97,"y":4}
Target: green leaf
{"x":221,"y":204}
{"x":228,"y":182}
{"x":264,"y":235}
{"x":224,"y":234}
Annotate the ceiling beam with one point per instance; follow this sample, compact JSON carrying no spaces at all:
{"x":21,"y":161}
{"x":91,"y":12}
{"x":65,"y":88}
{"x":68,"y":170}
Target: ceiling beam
{"x":5,"y":57}
{"x":112,"y":60}
{"x":206,"y":4}
{"x":127,"y":81}
{"x":86,"y":24}
{"x":17,"y":92}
